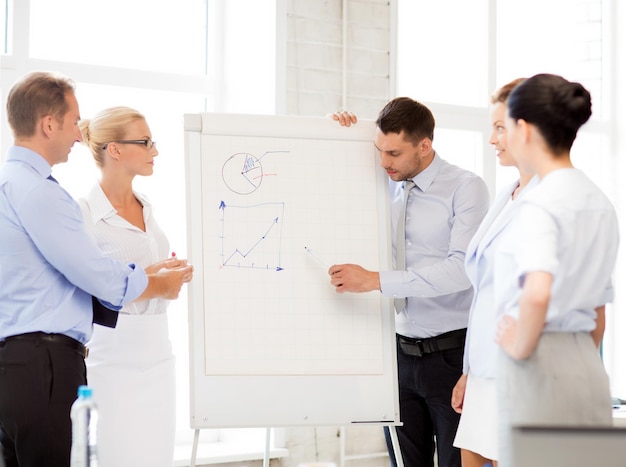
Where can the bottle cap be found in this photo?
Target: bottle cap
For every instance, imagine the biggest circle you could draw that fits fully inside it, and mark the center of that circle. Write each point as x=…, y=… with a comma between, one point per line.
x=84, y=391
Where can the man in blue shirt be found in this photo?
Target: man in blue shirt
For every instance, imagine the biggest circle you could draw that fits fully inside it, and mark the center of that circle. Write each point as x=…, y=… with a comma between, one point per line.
x=432, y=293
x=50, y=270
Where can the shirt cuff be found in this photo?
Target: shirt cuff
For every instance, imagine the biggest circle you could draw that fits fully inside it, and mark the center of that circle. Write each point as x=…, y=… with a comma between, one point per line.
x=136, y=284
x=392, y=284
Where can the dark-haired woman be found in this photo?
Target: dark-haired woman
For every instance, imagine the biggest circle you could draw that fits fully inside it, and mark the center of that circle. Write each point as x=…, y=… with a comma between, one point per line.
x=553, y=271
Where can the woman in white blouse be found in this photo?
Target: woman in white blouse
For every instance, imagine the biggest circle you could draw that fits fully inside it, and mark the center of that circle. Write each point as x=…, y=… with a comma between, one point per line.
x=553, y=271
x=130, y=367
x=474, y=396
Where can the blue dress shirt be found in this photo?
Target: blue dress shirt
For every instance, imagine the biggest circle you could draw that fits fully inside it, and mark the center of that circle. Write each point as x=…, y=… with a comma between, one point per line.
x=49, y=265
x=443, y=212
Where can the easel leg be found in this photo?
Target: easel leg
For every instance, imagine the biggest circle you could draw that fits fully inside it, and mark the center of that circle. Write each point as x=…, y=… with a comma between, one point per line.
x=342, y=446
x=266, y=458
x=396, y=446
x=194, y=449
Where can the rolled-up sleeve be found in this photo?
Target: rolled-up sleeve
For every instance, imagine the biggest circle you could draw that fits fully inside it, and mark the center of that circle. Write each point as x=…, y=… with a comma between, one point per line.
x=77, y=257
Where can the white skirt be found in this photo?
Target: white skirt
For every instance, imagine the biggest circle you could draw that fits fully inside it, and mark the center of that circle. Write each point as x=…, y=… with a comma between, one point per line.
x=478, y=427
x=131, y=370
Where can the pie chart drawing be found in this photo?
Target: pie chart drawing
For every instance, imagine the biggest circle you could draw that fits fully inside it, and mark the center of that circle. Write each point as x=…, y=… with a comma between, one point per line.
x=242, y=173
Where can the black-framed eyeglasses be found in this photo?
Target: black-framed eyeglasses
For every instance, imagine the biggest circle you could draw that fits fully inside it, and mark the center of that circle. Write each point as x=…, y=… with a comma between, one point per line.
x=148, y=143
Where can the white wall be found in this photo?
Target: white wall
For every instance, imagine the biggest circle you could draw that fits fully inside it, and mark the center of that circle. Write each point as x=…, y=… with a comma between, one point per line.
x=337, y=61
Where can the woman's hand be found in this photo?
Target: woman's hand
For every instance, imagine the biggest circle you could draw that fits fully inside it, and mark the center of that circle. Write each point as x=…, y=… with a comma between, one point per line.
x=169, y=263
x=506, y=333
x=458, y=394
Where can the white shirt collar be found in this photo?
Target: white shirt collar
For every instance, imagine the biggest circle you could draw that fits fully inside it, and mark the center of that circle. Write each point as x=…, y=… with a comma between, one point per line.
x=101, y=208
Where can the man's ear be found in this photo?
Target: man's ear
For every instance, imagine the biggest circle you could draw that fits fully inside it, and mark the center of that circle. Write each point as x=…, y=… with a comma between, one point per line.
x=425, y=146
x=47, y=125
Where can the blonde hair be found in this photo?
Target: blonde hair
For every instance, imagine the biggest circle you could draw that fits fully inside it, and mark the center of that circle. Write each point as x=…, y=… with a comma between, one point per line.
x=106, y=126
x=502, y=94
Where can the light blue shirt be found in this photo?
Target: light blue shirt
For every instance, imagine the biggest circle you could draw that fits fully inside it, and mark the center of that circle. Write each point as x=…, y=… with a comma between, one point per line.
x=444, y=210
x=49, y=265
x=481, y=349
x=566, y=227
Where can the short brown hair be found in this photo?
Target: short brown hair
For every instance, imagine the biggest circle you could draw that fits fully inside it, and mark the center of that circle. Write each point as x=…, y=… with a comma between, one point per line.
x=404, y=114
x=33, y=97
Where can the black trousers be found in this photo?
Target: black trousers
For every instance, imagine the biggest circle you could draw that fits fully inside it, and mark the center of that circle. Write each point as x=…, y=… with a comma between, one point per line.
x=39, y=380
x=425, y=384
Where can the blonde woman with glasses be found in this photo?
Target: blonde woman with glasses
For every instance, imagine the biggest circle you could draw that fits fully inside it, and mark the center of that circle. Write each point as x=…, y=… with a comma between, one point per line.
x=131, y=367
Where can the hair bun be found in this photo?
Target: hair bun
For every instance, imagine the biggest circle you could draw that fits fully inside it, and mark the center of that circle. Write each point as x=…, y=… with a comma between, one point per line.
x=574, y=103
x=84, y=129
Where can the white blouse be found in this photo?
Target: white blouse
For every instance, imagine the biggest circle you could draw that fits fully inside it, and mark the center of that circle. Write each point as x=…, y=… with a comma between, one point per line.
x=567, y=227
x=121, y=240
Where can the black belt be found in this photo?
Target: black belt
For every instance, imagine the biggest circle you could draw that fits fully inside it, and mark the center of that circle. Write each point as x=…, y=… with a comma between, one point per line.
x=39, y=337
x=446, y=341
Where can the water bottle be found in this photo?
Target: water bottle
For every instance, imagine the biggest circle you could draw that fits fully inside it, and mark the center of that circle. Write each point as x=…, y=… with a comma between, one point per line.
x=84, y=415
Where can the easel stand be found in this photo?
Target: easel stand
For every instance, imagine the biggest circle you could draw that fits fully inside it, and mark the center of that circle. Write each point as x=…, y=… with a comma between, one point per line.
x=194, y=449
x=396, y=446
x=196, y=437
x=266, y=457
x=393, y=434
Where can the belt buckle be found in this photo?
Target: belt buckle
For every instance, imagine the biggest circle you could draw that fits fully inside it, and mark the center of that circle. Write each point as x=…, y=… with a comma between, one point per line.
x=419, y=345
x=413, y=347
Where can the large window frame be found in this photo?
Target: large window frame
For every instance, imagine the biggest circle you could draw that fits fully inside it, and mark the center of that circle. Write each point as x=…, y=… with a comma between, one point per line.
x=217, y=91
x=600, y=128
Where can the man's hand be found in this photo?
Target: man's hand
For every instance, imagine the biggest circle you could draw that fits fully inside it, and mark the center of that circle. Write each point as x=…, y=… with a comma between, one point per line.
x=344, y=118
x=458, y=394
x=353, y=278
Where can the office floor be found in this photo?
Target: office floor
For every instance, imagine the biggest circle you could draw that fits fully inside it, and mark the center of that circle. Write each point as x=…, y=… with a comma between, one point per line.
x=323, y=444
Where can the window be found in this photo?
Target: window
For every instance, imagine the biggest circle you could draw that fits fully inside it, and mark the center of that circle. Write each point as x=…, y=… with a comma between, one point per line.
x=443, y=52
x=166, y=36
x=452, y=54
x=165, y=59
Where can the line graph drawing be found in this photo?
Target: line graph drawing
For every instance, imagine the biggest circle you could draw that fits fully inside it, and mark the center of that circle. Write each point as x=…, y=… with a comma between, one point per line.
x=243, y=173
x=251, y=236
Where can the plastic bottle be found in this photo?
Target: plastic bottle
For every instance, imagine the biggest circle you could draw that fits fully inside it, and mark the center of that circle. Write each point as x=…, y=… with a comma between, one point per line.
x=84, y=415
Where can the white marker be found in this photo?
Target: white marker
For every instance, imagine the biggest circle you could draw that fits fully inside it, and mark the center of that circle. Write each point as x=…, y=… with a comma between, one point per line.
x=317, y=258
